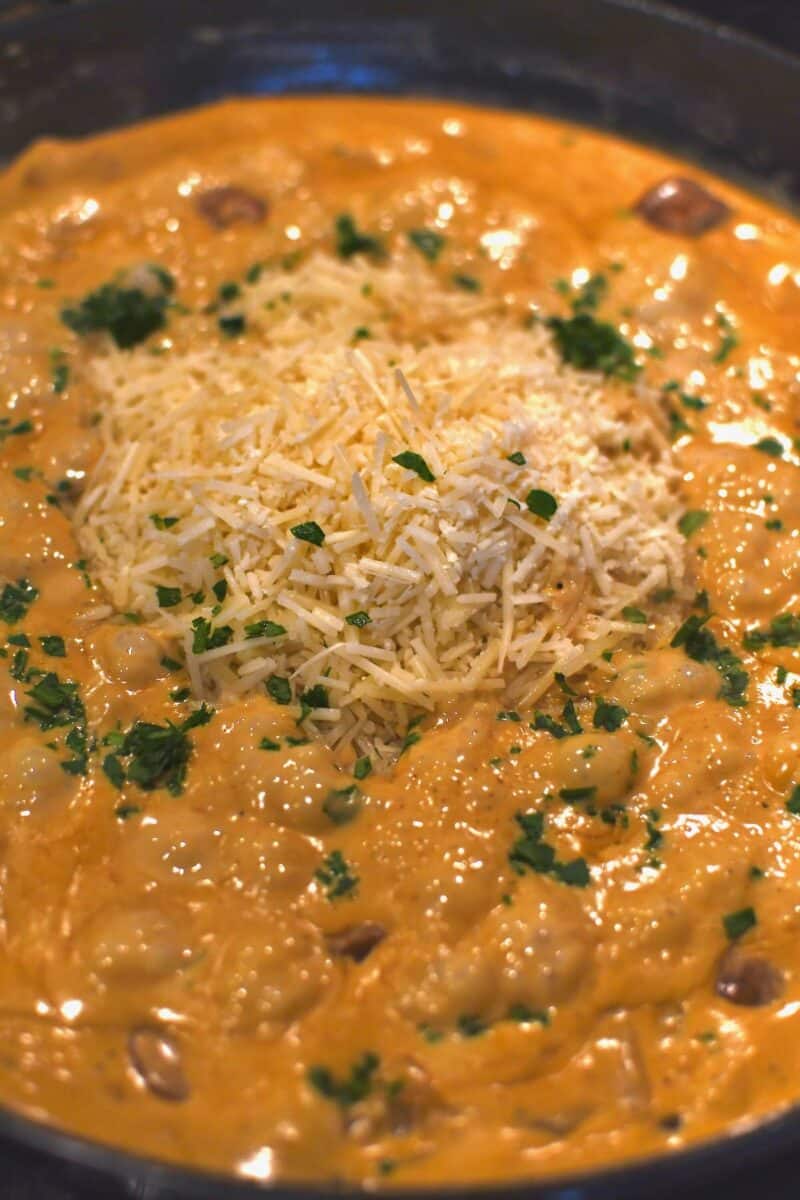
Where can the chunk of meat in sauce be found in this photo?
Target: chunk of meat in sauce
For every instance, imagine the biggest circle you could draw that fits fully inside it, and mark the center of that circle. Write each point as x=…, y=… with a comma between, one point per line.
x=156, y=1060
x=225, y=206
x=747, y=980
x=356, y=941
x=680, y=205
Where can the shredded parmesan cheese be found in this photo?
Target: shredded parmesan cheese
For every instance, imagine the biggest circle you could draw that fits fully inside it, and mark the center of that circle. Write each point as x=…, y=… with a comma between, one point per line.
x=298, y=422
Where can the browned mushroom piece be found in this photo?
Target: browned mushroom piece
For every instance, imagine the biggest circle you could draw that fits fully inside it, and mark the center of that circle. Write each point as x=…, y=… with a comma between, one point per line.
x=156, y=1059
x=224, y=206
x=747, y=979
x=680, y=205
x=408, y=1102
x=356, y=941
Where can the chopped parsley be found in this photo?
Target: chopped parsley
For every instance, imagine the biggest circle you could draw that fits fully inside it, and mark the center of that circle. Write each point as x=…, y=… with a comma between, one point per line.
x=162, y=523
x=179, y=695
x=469, y=1025
x=16, y=599
x=774, y=525
x=228, y=291
x=350, y=240
x=700, y=644
x=279, y=689
x=362, y=767
x=268, y=629
x=593, y=345
x=508, y=714
x=53, y=645
x=793, y=803
x=206, y=637
x=351, y=1088
x=541, y=504
x=232, y=325
x=308, y=531
x=561, y=680
x=342, y=805
x=56, y=704
x=168, y=597
x=220, y=589
x=268, y=744
x=576, y=794
x=570, y=718
x=609, y=716
x=783, y=630
x=157, y=755
x=467, y=283
x=770, y=446
x=59, y=371
x=654, y=835
x=414, y=462
x=8, y=430
x=531, y=852
x=429, y=243
x=336, y=877
x=358, y=619
x=547, y=724
x=218, y=560
x=737, y=924
x=634, y=615
x=729, y=339
x=128, y=314
x=692, y=520
x=517, y=458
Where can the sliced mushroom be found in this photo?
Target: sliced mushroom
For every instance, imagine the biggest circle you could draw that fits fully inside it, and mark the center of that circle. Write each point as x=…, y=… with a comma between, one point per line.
x=356, y=941
x=156, y=1059
x=679, y=205
x=747, y=980
x=224, y=206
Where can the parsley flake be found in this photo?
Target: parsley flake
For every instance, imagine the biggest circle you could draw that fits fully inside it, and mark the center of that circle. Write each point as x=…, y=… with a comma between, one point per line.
x=350, y=240
x=336, y=877
x=692, y=520
x=541, y=504
x=414, y=462
x=429, y=243
x=737, y=924
x=15, y=600
x=308, y=531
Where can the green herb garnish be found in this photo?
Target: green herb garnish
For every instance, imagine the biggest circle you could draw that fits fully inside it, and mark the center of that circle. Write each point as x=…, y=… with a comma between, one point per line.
x=350, y=240
x=414, y=462
x=692, y=520
x=128, y=314
x=737, y=924
x=352, y=1088
x=429, y=243
x=336, y=877
x=16, y=599
x=308, y=531
x=541, y=504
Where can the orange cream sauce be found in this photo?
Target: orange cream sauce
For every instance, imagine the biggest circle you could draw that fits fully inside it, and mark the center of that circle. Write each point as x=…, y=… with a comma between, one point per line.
x=514, y=1025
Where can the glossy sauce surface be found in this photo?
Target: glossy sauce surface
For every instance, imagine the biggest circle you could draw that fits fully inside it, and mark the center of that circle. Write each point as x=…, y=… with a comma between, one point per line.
x=175, y=977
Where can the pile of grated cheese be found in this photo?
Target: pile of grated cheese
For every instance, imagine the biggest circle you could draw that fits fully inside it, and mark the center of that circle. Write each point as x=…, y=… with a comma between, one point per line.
x=458, y=587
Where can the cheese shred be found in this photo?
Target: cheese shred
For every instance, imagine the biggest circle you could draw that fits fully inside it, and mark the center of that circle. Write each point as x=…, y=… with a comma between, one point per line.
x=275, y=457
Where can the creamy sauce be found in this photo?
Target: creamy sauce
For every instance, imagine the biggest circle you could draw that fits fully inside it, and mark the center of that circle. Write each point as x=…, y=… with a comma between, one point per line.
x=174, y=976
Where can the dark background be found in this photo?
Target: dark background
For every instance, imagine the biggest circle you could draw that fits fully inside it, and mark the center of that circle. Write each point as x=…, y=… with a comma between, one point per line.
x=777, y=21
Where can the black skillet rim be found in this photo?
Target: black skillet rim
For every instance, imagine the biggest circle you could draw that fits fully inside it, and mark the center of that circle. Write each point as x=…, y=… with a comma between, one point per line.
x=710, y=1162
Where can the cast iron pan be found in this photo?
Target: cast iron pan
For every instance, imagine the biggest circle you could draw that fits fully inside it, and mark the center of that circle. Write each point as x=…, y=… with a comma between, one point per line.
x=646, y=72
